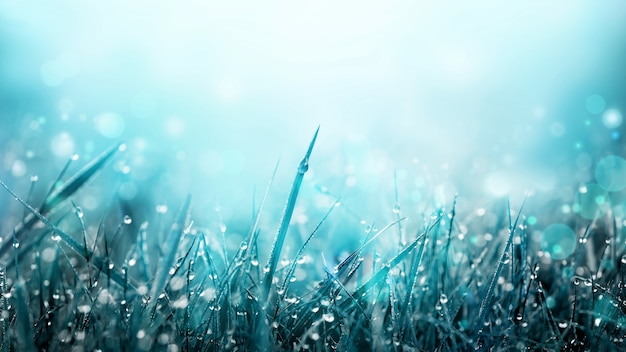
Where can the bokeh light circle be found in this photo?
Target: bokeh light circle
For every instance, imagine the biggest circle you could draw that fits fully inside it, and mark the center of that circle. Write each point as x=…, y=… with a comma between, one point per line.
x=559, y=240
x=62, y=145
x=612, y=118
x=595, y=104
x=611, y=173
x=592, y=201
x=110, y=125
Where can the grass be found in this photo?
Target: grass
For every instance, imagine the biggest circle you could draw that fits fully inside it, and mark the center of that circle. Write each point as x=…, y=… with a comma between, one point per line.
x=63, y=289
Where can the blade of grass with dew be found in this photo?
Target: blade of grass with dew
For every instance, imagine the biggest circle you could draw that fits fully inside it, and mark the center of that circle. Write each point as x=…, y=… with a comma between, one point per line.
x=4, y=301
x=292, y=268
x=69, y=240
x=447, y=248
x=286, y=219
x=413, y=273
x=343, y=267
x=242, y=260
x=24, y=324
x=142, y=252
x=382, y=273
x=482, y=313
x=62, y=193
x=254, y=233
x=166, y=262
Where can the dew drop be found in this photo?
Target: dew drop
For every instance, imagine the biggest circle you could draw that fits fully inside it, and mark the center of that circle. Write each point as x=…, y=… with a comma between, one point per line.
x=128, y=220
x=443, y=298
x=328, y=317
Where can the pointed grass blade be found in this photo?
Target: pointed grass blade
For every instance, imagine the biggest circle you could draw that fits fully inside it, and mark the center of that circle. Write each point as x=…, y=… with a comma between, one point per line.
x=62, y=193
x=272, y=262
x=97, y=262
x=173, y=241
x=78, y=180
x=482, y=313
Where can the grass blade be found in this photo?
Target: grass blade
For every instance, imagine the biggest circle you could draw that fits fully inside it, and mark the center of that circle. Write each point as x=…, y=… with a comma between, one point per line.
x=173, y=240
x=97, y=262
x=482, y=314
x=61, y=194
x=286, y=219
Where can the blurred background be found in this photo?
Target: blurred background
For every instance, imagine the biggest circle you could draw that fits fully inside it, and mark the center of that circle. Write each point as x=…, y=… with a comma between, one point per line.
x=484, y=100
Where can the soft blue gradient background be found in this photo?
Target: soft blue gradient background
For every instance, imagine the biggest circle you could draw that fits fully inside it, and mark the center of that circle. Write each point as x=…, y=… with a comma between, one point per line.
x=480, y=98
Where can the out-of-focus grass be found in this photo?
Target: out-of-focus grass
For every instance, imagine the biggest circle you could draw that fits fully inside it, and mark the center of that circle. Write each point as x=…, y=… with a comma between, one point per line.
x=435, y=291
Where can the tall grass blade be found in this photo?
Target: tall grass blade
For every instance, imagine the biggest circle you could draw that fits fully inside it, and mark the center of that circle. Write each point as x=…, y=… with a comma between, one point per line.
x=381, y=274
x=78, y=180
x=62, y=193
x=24, y=334
x=257, y=216
x=417, y=262
x=286, y=219
x=24, y=323
x=485, y=304
x=166, y=262
x=97, y=262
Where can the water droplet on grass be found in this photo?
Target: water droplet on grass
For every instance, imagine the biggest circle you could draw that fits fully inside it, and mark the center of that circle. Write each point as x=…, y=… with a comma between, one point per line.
x=443, y=298
x=328, y=317
x=128, y=220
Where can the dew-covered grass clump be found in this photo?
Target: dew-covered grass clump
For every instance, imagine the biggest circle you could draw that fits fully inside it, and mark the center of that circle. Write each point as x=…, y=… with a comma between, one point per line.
x=441, y=278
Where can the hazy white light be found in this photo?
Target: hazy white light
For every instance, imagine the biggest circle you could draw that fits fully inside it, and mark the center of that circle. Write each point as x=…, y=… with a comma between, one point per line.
x=110, y=125
x=175, y=127
x=19, y=168
x=62, y=145
x=612, y=118
x=228, y=89
x=498, y=184
x=55, y=72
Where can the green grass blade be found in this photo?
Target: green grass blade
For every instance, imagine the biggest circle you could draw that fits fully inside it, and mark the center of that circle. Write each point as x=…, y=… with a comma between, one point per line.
x=482, y=313
x=78, y=180
x=272, y=262
x=97, y=262
x=62, y=193
x=257, y=217
x=173, y=240
x=382, y=273
x=24, y=323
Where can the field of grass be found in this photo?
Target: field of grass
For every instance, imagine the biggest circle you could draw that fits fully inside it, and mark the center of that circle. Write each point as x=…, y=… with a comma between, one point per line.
x=448, y=281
